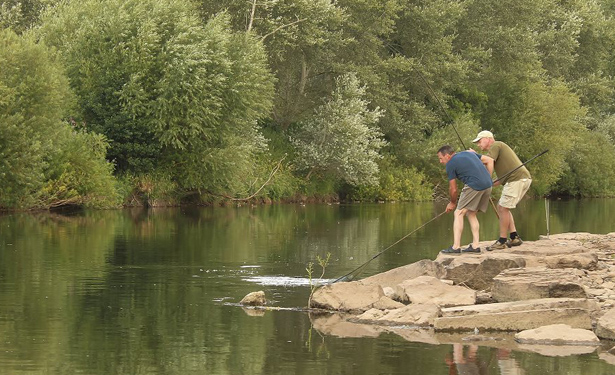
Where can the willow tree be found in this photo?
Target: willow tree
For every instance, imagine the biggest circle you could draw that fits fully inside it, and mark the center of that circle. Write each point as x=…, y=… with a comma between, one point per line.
x=341, y=140
x=175, y=97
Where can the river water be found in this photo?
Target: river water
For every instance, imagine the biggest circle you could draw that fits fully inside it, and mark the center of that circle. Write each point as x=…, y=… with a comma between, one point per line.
x=156, y=291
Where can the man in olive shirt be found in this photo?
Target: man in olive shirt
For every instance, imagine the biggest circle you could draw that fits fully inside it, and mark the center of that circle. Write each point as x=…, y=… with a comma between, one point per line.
x=503, y=159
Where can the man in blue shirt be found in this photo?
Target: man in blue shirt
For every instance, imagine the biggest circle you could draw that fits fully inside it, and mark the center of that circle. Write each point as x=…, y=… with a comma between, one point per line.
x=467, y=167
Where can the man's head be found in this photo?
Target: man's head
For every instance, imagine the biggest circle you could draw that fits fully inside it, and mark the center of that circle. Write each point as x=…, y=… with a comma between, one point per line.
x=445, y=153
x=484, y=139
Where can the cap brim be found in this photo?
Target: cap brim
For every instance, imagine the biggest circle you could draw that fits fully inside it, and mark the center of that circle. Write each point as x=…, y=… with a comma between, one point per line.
x=477, y=139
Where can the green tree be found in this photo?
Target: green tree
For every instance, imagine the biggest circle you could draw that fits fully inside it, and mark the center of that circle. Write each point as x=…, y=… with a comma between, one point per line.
x=341, y=139
x=20, y=15
x=169, y=93
x=43, y=161
x=34, y=96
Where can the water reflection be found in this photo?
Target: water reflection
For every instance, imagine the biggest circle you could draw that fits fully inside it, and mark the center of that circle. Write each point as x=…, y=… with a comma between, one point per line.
x=465, y=361
x=148, y=291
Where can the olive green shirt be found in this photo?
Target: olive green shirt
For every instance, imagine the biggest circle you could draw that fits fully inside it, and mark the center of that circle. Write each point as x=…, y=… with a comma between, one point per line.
x=505, y=160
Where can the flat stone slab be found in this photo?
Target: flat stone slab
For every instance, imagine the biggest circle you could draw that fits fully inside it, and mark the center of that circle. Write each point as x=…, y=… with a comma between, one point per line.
x=427, y=289
x=518, y=315
x=391, y=278
x=537, y=282
x=557, y=334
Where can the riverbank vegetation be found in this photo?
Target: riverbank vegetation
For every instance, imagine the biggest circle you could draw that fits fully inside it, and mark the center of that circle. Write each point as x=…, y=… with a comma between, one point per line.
x=160, y=102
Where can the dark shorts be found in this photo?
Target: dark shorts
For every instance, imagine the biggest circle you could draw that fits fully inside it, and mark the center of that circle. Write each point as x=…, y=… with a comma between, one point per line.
x=474, y=200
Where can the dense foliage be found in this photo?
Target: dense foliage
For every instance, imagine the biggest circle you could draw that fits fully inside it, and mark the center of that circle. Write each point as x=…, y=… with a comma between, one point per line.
x=200, y=100
x=44, y=161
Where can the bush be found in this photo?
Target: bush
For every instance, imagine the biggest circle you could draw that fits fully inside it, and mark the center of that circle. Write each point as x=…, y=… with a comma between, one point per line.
x=149, y=189
x=44, y=162
x=78, y=172
x=589, y=168
x=397, y=183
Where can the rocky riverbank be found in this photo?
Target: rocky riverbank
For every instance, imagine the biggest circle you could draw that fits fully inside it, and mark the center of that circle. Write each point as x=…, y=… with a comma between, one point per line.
x=555, y=291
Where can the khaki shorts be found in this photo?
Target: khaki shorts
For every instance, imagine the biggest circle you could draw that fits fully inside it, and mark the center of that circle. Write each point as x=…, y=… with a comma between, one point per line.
x=474, y=200
x=513, y=192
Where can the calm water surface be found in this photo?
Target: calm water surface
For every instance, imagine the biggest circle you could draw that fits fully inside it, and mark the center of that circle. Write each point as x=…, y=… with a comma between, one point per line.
x=155, y=291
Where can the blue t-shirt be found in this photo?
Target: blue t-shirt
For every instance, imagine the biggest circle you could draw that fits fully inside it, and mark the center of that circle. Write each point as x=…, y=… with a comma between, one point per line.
x=467, y=167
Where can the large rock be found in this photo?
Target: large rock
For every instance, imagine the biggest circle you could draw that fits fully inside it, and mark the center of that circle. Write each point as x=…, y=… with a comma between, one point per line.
x=412, y=315
x=428, y=289
x=352, y=297
x=537, y=282
x=425, y=267
x=518, y=315
x=478, y=271
x=557, y=334
x=605, y=328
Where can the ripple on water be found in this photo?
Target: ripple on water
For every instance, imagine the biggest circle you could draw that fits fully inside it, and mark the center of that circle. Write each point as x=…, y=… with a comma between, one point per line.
x=285, y=281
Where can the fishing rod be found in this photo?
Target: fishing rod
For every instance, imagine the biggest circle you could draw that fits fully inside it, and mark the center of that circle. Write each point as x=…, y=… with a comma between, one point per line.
x=433, y=94
x=354, y=273
x=450, y=119
x=522, y=164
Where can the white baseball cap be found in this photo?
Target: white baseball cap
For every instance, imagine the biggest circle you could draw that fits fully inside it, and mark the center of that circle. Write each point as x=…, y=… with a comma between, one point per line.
x=483, y=134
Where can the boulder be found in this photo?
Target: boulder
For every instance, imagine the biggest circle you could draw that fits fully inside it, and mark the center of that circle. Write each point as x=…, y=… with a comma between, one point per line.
x=605, y=328
x=352, y=297
x=537, y=282
x=412, y=315
x=254, y=299
x=477, y=272
x=425, y=267
x=557, y=334
x=517, y=315
x=428, y=289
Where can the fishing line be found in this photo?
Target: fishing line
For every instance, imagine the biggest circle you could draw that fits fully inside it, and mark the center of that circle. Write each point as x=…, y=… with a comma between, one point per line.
x=522, y=164
x=354, y=273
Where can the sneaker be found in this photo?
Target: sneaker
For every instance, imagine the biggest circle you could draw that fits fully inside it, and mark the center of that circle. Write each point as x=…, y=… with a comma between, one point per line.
x=497, y=245
x=450, y=250
x=516, y=242
x=471, y=249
